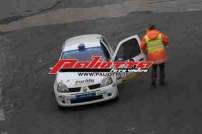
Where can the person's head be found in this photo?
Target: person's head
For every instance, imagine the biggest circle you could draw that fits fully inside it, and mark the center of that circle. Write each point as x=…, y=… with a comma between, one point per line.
x=152, y=27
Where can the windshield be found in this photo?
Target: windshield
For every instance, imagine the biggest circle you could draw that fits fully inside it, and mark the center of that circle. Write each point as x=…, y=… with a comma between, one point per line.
x=84, y=55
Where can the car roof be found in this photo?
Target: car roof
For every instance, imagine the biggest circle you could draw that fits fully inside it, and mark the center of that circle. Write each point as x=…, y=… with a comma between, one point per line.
x=89, y=40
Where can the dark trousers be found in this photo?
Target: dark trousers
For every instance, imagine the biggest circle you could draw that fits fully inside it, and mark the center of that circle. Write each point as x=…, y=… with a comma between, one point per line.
x=162, y=72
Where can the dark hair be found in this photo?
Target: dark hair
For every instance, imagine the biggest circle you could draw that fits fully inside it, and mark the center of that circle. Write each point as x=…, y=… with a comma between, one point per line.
x=152, y=27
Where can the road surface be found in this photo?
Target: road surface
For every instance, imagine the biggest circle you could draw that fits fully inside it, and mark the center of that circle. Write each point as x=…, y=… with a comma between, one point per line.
x=28, y=105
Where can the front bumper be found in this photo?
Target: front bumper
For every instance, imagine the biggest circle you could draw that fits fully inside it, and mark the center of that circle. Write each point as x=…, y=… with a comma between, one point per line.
x=99, y=95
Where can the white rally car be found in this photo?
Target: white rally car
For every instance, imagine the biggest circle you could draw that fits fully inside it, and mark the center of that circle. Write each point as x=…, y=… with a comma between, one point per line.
x=73, y=90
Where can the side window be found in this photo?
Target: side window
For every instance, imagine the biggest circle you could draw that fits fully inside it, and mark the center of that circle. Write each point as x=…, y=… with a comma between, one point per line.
x=128, y=50
x=106, y=52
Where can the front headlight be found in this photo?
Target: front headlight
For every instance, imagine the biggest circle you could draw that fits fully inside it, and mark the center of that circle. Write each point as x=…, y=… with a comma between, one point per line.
x=106, y=81
x=62, y=88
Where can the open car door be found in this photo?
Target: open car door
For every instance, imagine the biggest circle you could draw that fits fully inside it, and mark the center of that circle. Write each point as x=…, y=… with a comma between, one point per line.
x=128, y=50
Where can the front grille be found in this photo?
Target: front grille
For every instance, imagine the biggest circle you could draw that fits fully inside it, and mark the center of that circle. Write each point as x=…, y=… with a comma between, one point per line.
x=95, y=86
x=86, y=99
x=76, y=89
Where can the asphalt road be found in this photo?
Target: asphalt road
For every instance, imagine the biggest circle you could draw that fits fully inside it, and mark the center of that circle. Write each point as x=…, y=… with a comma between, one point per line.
x=29, y=105
x=14, y=10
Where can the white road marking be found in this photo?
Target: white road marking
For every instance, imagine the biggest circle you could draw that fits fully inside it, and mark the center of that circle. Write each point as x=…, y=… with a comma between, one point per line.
x=192, y=9
x=69, y=15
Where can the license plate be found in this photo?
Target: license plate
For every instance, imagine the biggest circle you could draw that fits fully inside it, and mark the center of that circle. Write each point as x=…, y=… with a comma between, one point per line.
x=81, y=96
x=99, y=93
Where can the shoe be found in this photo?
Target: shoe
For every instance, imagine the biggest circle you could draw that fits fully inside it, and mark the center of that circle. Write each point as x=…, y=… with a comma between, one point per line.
x=153, y=84
x=162, y=83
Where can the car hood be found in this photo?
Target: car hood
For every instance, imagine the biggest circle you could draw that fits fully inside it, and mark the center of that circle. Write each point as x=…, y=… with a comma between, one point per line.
x=72, y=79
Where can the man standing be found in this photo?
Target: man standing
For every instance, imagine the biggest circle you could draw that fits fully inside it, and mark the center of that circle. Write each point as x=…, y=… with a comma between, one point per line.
x=153, y=44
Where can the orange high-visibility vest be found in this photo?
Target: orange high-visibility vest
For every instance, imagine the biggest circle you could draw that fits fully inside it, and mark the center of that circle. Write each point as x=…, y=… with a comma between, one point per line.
x=155, y=49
